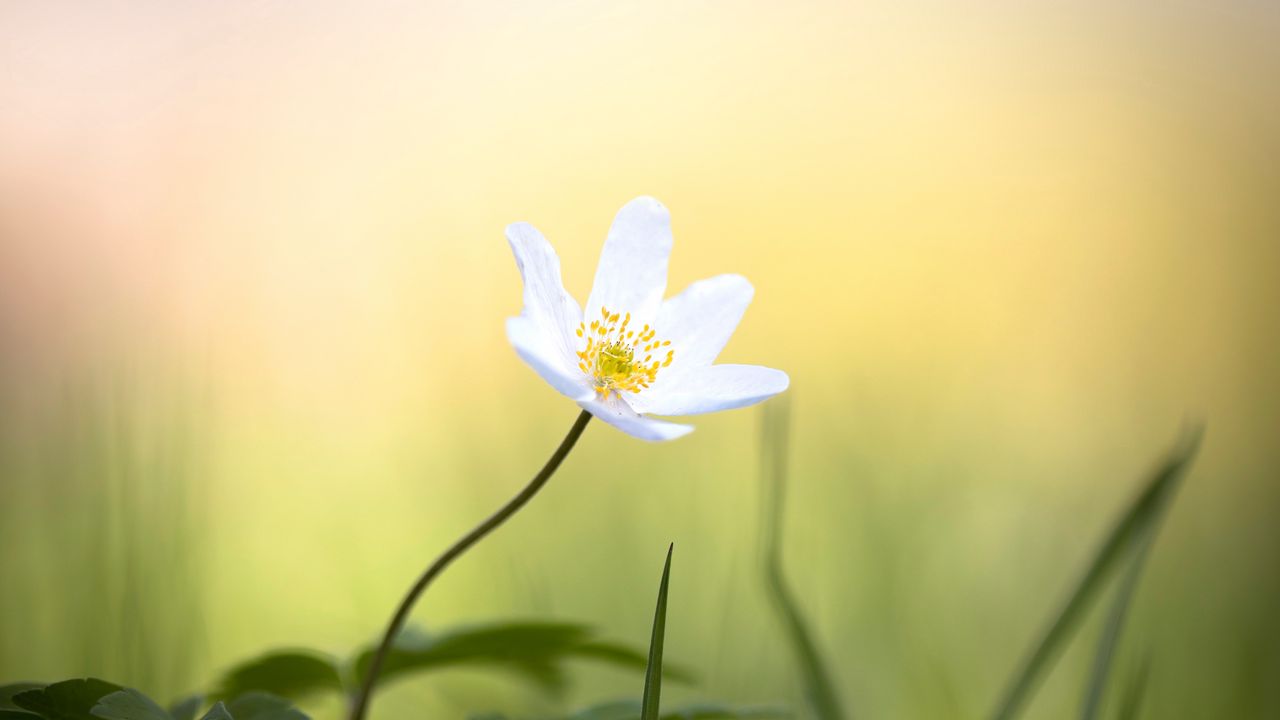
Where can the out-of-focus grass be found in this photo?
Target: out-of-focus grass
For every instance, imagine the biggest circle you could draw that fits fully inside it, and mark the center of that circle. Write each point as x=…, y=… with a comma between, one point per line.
x=128, y=604
x=103, y=525
x=1129, y=539
x=822, y=697
x=87, y=595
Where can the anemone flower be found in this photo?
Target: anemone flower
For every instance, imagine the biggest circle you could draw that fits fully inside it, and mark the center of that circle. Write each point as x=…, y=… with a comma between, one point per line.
x=632, y=354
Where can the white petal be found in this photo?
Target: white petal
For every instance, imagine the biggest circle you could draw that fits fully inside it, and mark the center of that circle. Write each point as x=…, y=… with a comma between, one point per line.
x=554, y=313
x=618, y=414
x=534, y=347
x=700, y=320
x=632, y=275
x=709, y=389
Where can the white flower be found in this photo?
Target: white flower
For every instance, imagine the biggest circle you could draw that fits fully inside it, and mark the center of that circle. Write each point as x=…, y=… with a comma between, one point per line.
x=633, y=354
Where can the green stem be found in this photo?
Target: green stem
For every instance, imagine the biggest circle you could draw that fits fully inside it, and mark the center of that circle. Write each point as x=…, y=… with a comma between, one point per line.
x=361, y=702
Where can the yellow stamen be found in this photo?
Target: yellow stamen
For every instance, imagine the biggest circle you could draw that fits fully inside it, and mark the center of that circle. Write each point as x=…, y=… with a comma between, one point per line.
x=610, y=356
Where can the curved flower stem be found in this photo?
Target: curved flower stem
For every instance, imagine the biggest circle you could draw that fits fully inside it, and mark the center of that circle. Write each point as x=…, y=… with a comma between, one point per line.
x=361, y=701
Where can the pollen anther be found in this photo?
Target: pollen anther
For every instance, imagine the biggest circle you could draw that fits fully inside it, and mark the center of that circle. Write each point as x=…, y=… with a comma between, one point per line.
x=610, y=355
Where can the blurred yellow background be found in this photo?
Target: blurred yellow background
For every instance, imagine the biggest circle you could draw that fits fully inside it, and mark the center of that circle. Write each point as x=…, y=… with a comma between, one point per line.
x=253, y=373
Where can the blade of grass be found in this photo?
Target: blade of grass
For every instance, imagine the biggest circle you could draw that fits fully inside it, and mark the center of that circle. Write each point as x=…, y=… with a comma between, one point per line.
x=1130, y=528
x=1109, y=640
x=653, y=673
x=819, y=690
x=1135, y=692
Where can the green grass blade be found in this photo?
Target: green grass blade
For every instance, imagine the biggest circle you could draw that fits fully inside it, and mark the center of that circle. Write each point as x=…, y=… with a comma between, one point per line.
x=653, y=673
x=1109, y=640
x=1127, y=531
x=819, y=690
x=1135, y=692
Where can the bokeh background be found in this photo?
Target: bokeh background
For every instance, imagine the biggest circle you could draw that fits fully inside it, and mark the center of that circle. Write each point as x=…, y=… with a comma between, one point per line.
x=253, y=373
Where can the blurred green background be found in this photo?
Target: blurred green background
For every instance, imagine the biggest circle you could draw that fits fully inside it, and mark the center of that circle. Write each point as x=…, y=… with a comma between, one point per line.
x=253, y=373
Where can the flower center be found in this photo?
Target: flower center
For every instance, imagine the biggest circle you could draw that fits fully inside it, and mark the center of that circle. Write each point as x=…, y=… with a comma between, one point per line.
x=619, y=359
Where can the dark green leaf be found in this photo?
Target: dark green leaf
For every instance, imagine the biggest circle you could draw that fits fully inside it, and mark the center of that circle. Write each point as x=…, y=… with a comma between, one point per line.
x=653, y=674
x=67, y=700
x=263, y=706
x=724, y=712
x=632, y=709
x=819, y=690
x=612, y=710
x=187, y=708
x=532, y=649
x=17, y=715
x=628, y=657
x=293, y=674
x=8, y=691
x=1127, y=531
x=129, y=705
x=217, y=712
